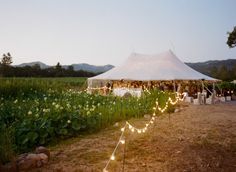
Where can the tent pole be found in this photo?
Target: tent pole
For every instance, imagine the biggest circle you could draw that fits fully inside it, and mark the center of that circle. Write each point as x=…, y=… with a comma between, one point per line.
x=214, y=93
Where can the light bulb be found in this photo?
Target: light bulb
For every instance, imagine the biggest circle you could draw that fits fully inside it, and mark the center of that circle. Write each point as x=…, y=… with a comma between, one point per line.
x=104, y=170
x=130, y=126
x=122, y=141
x=112, y=157
x=132, y=129
x=122, y=129
x=139, y=131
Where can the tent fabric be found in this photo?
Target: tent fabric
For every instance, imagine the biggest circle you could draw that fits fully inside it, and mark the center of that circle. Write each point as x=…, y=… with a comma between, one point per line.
x=142, y=67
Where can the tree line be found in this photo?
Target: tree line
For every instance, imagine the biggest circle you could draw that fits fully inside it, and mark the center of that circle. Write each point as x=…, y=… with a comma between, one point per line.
x=7, y=70
x=223, y=73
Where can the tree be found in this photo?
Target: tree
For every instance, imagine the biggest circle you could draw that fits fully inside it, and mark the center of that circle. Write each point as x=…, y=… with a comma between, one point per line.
x=70, y=68
x=232, y=38
x=58, y=66
x=6, y=59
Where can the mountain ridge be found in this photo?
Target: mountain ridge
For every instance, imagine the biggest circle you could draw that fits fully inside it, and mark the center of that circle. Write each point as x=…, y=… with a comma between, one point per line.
x=77, y=67
x=208, y=67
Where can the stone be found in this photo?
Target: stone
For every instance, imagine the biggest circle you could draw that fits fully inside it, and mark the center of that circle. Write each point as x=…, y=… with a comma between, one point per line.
x=177, y=110
x=147, y=116
x=116, y=124
x=28, y=162
x=43, y=158
x=39, y=164
x=31, y=160
x=33, y=156
x=44, y=150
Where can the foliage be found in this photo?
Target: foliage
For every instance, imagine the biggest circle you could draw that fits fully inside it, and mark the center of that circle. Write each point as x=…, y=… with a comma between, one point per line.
x=46, y=113
x=224, y=69
x=6, y=59
x=232, y=38
x=227, y=86
x=6, y=144
x=36, y=71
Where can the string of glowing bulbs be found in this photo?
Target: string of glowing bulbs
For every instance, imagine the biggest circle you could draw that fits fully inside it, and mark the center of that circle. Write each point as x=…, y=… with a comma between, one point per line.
x=142, y=130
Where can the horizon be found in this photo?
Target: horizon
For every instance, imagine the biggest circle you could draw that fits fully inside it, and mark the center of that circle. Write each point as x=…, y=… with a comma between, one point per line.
x=106, y=64
x=107, y=32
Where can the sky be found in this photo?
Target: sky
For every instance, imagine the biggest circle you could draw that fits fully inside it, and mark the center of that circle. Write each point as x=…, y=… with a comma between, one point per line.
x=103, y=32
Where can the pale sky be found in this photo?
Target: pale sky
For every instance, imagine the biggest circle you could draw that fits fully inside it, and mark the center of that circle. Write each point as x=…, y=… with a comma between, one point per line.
x=103, y=32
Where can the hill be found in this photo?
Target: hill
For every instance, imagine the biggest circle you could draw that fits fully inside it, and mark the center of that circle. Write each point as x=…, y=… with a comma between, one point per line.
x=221, y=69
x=42, y=65
x=77, y=67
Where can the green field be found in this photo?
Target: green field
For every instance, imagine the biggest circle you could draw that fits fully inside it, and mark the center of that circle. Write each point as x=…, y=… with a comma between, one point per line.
x=42, y=111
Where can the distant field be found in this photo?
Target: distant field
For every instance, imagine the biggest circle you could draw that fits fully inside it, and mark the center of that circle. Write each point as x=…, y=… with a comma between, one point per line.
x=39, y=111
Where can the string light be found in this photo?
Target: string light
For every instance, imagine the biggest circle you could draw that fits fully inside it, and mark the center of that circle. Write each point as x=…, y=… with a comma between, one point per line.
x=132, y=128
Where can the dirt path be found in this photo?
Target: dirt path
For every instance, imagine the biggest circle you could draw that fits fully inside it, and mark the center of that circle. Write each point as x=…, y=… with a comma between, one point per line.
x=198, y=138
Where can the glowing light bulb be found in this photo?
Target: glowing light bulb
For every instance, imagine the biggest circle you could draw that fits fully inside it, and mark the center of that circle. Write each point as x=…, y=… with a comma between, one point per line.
x=122, y=129
x=154, y=108
x=112, y=158
x=154, y=114
x=139, y=131
x=151, y=122
x=104, y=170
x=132, y=129
x=146, y=125
x=122, y=141
x=153, y=118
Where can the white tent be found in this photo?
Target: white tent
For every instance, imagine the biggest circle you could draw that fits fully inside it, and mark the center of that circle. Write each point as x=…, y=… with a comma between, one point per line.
x=141, y=67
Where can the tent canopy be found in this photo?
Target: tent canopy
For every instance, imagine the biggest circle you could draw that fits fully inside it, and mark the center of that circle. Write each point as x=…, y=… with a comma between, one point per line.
x=142, y=67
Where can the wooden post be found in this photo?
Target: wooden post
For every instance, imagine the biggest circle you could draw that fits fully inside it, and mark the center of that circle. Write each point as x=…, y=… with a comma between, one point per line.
x=174, y=86
x=123, y=166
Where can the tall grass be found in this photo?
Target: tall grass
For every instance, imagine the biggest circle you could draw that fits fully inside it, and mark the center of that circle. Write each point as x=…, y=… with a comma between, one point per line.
x=44, y=111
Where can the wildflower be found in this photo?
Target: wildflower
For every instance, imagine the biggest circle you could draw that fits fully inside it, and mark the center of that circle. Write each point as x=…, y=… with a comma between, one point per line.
x=68, y=121
x=57, y=106
x=53, y=103
x=61, y=107
x=29, y=113
x=15, y=101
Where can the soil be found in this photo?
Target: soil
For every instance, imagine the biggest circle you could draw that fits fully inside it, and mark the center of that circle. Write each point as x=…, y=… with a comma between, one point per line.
x=199, y=138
